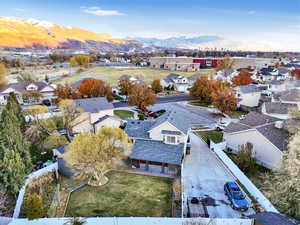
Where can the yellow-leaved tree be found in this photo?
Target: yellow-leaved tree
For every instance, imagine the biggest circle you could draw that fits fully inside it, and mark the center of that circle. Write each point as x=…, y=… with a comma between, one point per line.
x=96, y=154
x=3, y=73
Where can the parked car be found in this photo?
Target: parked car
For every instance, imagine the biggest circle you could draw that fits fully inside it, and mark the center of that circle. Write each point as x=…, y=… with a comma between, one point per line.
x=236, y=197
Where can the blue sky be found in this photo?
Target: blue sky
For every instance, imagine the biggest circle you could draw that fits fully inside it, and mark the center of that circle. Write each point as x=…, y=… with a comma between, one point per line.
x=259, y=20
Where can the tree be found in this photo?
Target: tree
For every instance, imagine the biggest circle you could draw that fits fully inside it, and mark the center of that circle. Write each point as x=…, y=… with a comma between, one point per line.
x=15, y=161
x=283, y=188
x=75, y=221
x=244, y=78
x=296, y=73
x=66, y=92
x=95, y=88
x=156, y=87
x=202, y=90
x=34, y=207
x=3, y=73
x=292, y=125
x=14, y=107
x=26, y=78
x=245, y=158
x=224, y=100
x=141, y=96
x=80, y=60
x=226, y=63
x=54, y=140
x=96, y=154
x=32, y=96
x=69, y=113
x=125, y=86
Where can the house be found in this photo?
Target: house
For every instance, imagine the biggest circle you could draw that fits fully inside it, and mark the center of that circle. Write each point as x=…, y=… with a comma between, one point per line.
x=97, y=112
x=192, y=79
x=272, y=218
x=248, y=95
x=277, y=109
x=176, y=82
x=63, y=168
x=129, y=77
x=271, y=73
x=23, y=92
x=226, y=75
x=159, y=145
x=265, y=133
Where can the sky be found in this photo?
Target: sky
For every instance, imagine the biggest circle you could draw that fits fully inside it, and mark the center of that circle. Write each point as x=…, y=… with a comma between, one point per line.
x=264, y=21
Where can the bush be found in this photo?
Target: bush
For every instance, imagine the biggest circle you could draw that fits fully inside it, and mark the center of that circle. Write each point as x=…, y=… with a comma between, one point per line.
x=34, y=206
x=141, y=116
x=245, y=158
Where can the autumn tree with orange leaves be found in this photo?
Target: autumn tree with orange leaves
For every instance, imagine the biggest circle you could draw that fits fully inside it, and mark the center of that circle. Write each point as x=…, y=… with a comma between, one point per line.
x=244, y=78
x=95, y=88
x=141, y=96
x=202, y=90
x=224, y=100
x=156, y=86
x=66, y=92
x=296, y=73
x=125, y=86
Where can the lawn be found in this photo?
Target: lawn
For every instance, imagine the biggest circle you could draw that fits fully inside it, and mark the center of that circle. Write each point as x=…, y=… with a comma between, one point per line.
x=214, y=135
x=124, y=195
x=201, y=104
x=124, y=114
x=110, y=75
x=237, y=114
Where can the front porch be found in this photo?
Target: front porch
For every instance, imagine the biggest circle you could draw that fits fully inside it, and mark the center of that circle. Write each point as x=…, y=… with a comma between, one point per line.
x=155, y=167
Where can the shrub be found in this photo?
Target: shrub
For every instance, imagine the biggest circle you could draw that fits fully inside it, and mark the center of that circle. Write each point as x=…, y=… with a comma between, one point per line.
x=245, y=158
x=34, y=206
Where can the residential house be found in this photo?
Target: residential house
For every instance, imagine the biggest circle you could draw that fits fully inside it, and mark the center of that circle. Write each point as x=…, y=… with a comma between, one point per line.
x=277, y=109
x=159, y=145
x=248, y=95
x=23, y=90
x=265, y=133
x=226, y=75
x=132, y=79
x=97, y=112
x=176, y=82
x=291, y=96
x=272, y=218
x=270, y=73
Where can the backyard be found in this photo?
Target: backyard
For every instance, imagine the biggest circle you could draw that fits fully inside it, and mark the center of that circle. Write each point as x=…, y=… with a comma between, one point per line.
x=124, y=195
x=214, y=135
x=124, y=114
x=111, y=75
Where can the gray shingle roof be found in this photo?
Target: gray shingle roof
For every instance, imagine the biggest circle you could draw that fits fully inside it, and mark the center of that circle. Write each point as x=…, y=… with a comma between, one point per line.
x=263, y=124
x=93, y=105
x=106, y=117
x=177, y=117
x=278, y=137
x=271, y=218
x=251, y=88
x=196, y=76
x=77, y=83
x=138, y=128
x=277, y=82
x=171, y=77
x=292, y=95
x=157, y=151
x=278, y=107
x=171, y=132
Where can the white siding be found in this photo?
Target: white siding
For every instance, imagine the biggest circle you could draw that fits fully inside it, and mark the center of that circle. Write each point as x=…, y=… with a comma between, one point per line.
x=155, y=133
x=265, y=152
x=250, y=99
x=109, y=122
x=96, y=116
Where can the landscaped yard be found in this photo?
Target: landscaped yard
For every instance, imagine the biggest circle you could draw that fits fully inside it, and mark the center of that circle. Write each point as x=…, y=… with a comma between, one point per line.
x=201, y=104
x=214, y=135
x=123, y=196
x=110, y=75
x=123, y=114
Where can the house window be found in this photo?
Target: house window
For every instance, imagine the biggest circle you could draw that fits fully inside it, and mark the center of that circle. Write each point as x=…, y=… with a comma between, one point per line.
x=171, y=139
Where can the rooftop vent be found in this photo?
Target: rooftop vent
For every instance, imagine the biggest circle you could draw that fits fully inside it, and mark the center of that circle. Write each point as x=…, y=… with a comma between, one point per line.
x=279, y=124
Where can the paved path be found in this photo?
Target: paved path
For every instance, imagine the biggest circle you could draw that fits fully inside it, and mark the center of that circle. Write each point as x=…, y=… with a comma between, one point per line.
x=203, y=175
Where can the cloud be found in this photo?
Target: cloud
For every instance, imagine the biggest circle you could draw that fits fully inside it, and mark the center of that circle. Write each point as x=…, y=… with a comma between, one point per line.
x=19, y=9
x=101, y=12
x=251, y=12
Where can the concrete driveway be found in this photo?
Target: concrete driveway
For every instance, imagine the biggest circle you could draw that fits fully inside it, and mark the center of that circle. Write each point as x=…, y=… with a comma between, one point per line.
x=203, y=175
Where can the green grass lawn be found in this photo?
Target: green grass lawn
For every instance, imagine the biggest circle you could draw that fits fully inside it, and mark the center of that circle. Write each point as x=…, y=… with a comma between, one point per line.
x=123, y=114
x=237, y=114
x=110, y=75
x=124, y=195
x=214, y=135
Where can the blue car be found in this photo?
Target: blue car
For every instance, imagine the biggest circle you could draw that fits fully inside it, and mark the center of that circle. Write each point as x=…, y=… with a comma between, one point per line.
x=236, y=196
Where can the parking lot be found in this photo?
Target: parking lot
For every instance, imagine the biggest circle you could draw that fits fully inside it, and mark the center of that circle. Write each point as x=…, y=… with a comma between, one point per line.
x=204, y=176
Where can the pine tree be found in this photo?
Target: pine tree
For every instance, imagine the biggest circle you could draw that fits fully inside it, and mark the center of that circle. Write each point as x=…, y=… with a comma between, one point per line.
x=15, y=161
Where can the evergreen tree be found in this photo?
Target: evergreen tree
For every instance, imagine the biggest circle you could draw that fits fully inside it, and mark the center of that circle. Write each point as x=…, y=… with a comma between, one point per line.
x=15, y=161
x=34, y=206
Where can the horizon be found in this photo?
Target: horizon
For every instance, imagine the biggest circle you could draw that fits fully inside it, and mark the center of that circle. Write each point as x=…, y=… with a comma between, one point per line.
x=255, y=23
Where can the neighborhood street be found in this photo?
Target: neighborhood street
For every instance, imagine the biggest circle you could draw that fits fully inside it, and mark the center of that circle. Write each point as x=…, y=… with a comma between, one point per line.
x=204, y=176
